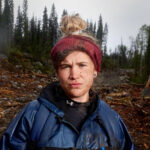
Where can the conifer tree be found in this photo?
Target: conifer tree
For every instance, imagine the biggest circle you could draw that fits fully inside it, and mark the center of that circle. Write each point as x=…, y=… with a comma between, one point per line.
x=122, y=49
x=7, y=23
x=99, y=34
x=38, y=33
x=147, y=56
x=0, y=12
x=53, y=26
x=136, y=62
x=45, y=28
x=105, y=35
x=64, y=12
x=33, y=32
x=11, y=21
x=1, y=37
x=141, y=41
x=91, y=28
x=59, y=30
x=25, y=26
x=94, y=29
x=18, y=35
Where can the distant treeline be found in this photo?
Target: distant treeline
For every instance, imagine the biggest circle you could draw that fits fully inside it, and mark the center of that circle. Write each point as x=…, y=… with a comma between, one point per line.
x=36, y=38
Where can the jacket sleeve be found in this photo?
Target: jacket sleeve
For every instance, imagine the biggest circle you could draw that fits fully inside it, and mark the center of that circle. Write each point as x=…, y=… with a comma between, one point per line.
x=128, y=144
x=17, y=135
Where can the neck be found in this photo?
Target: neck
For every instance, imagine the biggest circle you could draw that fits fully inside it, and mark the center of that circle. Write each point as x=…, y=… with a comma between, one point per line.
x=81, y=99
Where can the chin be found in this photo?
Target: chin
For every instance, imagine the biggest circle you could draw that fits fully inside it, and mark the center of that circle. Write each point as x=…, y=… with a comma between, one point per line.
x=76, y=93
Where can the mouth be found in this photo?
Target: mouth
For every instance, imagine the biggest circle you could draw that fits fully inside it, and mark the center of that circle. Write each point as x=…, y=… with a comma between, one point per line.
x=75, y=85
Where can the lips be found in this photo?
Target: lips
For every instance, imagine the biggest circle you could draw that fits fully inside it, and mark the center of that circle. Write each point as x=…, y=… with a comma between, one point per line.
x=75, y=85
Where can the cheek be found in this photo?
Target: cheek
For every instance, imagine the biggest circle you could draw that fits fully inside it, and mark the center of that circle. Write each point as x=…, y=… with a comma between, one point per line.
x=89, y=72
x=61, y=75
x=88, y=75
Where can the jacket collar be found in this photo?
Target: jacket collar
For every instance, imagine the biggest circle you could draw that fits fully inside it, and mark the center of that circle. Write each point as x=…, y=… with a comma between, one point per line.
x=51, y=106
x=51, y=96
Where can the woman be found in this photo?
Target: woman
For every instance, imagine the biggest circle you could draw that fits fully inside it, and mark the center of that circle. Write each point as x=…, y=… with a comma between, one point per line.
x=68, y=114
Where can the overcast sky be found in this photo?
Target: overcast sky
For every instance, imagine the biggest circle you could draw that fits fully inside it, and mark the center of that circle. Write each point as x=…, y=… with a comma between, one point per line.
x=124, y=17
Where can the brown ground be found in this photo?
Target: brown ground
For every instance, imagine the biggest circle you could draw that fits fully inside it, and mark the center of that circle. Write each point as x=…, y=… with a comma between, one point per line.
x=18, y=88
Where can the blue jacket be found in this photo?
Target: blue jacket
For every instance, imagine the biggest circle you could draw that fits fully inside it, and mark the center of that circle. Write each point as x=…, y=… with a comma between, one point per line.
x=41, y=124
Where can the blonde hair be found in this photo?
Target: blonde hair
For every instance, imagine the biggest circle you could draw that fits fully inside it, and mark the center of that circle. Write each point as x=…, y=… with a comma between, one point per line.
x=74, y=24
x=71, y=25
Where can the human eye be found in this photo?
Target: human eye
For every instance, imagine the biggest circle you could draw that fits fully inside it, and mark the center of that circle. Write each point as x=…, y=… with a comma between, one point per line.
x=82, y=65
x=64, y=66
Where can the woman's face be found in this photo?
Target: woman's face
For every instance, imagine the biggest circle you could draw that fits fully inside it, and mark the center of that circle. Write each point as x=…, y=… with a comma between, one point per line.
x=76, y=73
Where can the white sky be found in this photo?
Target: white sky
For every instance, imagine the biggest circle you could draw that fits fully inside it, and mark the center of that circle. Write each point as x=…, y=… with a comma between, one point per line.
x=124, y=17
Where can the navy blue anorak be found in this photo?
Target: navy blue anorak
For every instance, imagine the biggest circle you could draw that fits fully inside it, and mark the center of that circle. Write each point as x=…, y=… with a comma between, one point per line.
x=41, y=125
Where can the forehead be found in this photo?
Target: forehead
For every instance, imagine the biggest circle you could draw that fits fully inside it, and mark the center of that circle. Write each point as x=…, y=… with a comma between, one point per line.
x=78, y=56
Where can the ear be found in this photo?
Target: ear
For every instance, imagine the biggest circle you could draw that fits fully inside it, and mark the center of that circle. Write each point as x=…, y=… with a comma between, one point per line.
x=95, y=73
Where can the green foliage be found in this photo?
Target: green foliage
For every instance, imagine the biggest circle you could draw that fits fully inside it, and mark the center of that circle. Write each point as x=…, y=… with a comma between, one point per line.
x=6, y=24
x=0, y=8
x=30, y=41
x=18, y=29
x=25, y=26
x=64, y=13
x=16, y=57
x=53, y=26
x=99, y=34
x=28, y=63
x=147, y=57
x=140, y=60
x=136, y=62
x=138, y=79
x=122, y=49
x=108, y=64
x=45, y=28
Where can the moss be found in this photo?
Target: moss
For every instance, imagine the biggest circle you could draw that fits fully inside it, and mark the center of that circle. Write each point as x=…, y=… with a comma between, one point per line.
x=29, y=63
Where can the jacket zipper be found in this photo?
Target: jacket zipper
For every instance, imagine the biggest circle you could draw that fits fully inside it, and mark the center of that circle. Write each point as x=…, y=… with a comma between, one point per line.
x=68, y=123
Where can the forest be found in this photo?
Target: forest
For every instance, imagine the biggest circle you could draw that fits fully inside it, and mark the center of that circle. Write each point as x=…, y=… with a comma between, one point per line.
x=26, y=67
x=35, y=38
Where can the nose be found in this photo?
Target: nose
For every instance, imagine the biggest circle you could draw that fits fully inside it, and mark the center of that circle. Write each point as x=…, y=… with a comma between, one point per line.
x=74, y=73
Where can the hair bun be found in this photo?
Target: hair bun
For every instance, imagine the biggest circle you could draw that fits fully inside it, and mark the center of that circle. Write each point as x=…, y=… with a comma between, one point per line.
x=72, y=24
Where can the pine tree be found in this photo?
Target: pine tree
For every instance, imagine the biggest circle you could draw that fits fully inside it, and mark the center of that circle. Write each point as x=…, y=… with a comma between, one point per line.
x=1, y=37
x=122, y=49
x=136, y=62
x=91, y=28
x=64, y=13
x=53, y=26
x=105, y=35
x=141, y=41
x=147, y=56
x=94, y=29
x=11, y=21
x=0, y=12
x=18, y=35
x=45, y=28
x=99, y=34
x=38, y=33
x=7, y=23
x=32, y=31
x=59, y=30
x=25, y=26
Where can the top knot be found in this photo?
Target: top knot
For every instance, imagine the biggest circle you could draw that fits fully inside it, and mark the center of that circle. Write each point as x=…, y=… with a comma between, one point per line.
x=72, y=24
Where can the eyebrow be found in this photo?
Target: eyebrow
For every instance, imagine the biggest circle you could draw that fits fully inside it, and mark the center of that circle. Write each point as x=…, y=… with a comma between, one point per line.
x=66, y=62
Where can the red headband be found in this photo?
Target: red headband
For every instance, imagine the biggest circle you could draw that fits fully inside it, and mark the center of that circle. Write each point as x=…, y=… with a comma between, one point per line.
x=78, y=42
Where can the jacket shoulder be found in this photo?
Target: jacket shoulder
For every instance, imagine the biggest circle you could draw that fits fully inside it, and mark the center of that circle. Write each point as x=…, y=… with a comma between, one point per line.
x=105, y=109
x=17, y=133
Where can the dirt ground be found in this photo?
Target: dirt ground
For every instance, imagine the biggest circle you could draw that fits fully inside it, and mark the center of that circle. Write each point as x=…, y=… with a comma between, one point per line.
x=18, y=88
